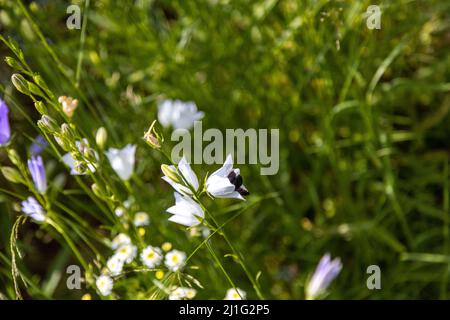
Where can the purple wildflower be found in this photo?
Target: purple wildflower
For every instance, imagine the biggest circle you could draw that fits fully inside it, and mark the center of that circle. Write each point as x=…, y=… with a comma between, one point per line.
x=5, y=131
x=39, y=145
x=325, y=273
x=37, y=170
x=33, y=209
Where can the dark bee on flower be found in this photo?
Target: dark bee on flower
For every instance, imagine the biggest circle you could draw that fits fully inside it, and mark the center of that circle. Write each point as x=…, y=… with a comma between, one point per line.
x=237, y=180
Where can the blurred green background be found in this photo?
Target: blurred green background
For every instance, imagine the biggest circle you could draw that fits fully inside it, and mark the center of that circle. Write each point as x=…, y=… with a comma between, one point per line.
x=363, y=117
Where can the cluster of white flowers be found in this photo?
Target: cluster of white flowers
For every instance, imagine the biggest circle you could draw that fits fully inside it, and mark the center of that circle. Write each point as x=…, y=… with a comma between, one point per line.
x=125, y=253
x=81, y=158
x=226, y=182
x=181, y=293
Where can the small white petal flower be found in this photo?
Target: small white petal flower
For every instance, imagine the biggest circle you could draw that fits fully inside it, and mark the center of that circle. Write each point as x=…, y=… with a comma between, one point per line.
x=120, y=240
x=179, y=293
x=119, y=211
x=104, y=285
x=127, y=253
x=175, y=260
x=122, y=160
x=198, y=231
x=188, y=175
x=226, y=182
x=114, y=265
x=179, y=114
x=186, y=211
x=127, y=203
x=141, y=219
x=235, y=294
x=151, y=256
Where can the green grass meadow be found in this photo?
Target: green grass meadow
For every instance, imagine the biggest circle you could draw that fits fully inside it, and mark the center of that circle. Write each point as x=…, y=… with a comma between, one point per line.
x=364, y=137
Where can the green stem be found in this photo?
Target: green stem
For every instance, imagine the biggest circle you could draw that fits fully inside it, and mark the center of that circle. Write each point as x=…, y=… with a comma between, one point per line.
x=221, y=267
x=82, y=41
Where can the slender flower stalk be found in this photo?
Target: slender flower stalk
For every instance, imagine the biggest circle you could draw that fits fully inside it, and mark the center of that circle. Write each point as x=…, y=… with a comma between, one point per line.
x=37, y=170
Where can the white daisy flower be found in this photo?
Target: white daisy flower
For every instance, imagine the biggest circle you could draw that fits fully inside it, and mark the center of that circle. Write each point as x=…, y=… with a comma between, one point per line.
x=120, y=240
x=141, y=219
x=122, y=160
x=180, y=293
x=151, y=256
x=104, y=285
x=175, y=260
x=186, y=211
x=114, y=265
x=127, y=253
x=235, y=294
x=188, y=175
x=226, y=182
x=179, y=114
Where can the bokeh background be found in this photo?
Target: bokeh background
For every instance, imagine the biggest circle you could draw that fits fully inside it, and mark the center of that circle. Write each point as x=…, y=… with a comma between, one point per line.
x=363, y=117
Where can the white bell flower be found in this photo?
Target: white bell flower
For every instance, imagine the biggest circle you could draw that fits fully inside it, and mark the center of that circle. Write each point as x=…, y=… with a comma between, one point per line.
x=226, y=182
x=122, y=160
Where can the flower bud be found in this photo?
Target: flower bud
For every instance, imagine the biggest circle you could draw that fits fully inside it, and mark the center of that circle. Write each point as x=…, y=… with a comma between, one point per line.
x=48, y=124
x=89, y=154
x=80, y=166
x=40, y=107
x=100, y=137
x=35, y=89
x=41, y=83
x=12, y=175
x=171, y=173
x=67, y=131
x=62, y=142
x=97, y=190
x=153, y=138
x=14, y=157
x=20, y=83
x=13, y=63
